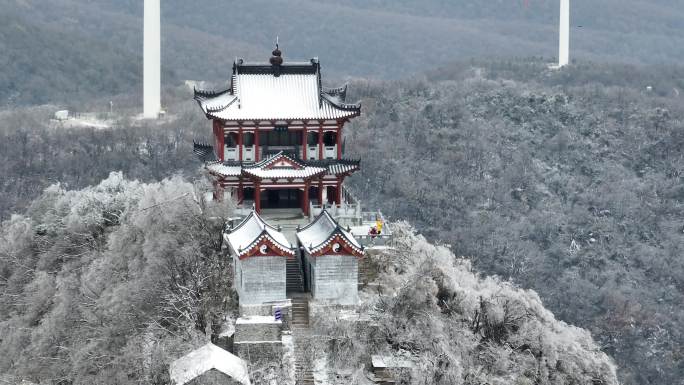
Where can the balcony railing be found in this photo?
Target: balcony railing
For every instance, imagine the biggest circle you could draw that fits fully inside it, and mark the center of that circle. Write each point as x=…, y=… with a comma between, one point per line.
x=349, y=214
x=249, y=152
x=330, y=152
x=230, y=153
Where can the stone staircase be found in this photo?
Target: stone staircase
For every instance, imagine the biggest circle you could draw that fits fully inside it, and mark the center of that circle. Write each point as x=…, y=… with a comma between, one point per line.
x=300, y=312
x=300, y=324
x=294, y=281
x=364, y=267
x=304, y=374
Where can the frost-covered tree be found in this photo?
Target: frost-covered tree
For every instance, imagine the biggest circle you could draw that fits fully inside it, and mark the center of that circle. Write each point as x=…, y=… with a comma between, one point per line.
x=103, y=285
x=458, y=327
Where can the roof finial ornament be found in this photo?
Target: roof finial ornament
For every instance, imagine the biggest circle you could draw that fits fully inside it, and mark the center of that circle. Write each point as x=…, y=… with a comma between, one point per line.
x=277, y=58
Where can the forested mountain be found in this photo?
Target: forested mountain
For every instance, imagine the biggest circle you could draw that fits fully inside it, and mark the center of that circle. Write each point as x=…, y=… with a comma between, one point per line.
x=108, y=284
x=567, y=182
x=95, y=45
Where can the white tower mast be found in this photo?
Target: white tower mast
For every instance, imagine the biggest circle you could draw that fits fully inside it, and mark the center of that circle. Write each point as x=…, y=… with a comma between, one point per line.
x=564, y=34
x=152, y=60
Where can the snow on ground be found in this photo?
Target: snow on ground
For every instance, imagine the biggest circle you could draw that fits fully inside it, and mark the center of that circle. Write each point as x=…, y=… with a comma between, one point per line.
x=320, y=372
x=289, y=358
x=208, y=357
x=257, y=319
x=81, y=123
x=227, y=328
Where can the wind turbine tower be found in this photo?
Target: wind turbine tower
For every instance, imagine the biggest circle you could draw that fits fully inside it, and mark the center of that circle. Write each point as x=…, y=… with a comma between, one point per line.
x=152, y=60
x=564, y=34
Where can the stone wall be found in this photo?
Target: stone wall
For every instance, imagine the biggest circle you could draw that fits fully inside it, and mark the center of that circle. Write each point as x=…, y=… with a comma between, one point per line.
x=258, y=338
x=257, y=328
x=268, y=309
x=262, y=352
x=335, y=279
x=260, y=279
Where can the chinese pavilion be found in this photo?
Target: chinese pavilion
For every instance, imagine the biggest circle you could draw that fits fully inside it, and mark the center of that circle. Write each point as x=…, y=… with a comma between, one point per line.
x=277, y=135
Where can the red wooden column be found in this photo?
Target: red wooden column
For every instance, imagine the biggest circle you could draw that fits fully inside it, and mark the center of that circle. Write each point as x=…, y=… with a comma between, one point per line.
x=338, y=192
x=320, y=141
x=256, y=143
x=339, y=140
x=257, y=197
x=305, y=198
x=304, y=142
x=320, y=192
x=218, y=139
x=240, y=144
x=241, y=192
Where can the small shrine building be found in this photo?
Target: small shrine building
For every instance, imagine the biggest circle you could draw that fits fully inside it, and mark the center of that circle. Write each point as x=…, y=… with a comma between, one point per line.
x=260, y=253
x=330, y=256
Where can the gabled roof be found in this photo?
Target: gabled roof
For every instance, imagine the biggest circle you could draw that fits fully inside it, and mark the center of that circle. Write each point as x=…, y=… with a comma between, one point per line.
x=251, y=232
x=282, y=166
x=204, y=359
x=290, y=91
x=319, y=234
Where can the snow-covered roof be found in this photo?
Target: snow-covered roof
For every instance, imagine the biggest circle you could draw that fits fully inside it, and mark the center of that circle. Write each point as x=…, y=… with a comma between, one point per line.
x=290, y=91
x=322, y=231
x=281, y=166
x=204, y=359
x=247, y=235
x=204, y=151
x=342, y=166
x=225, y=169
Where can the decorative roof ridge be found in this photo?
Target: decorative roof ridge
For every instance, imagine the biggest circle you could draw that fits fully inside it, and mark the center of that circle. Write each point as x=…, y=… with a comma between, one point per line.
x=356, y=107
x=332, y=162
x=242, y=67
x=204, y=152
x=261, y=220
x=336, y=91
x=269, y=160
x=264, y=234
x=242, y=223
x=319, y=84
x=337, y=230
x=208, y=93
x=221, y=108
x=265, y=162
x=324, y=211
